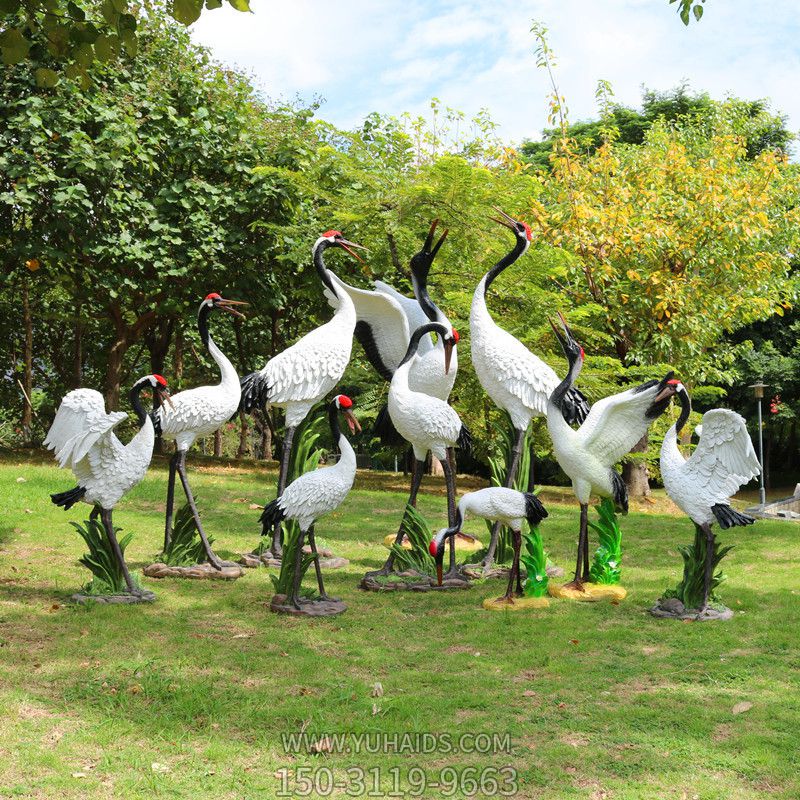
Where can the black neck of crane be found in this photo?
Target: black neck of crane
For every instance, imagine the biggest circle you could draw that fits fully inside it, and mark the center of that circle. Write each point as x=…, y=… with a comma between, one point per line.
x=686, y=408
x=419, y=282
x=431, y=327
x=319, y=264
x=506, y=261
x=333, y=420
x=202, y=323
x=136, y=401
x=557, y=397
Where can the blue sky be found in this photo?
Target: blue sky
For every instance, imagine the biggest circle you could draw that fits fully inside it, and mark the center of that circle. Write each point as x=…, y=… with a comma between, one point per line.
x=394, y=56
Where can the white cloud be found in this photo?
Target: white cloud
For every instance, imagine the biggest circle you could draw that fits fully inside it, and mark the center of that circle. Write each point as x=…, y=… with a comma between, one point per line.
x=394, y=57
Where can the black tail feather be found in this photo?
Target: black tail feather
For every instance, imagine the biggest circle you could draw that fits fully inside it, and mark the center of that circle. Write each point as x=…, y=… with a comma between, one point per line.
x=620, y=492
x=255, y=392
x=728, y=517
x=69, y=498
x=535, y=512
x=385, y=430
x=271, y=516
x=464, y=441
x=575, y=407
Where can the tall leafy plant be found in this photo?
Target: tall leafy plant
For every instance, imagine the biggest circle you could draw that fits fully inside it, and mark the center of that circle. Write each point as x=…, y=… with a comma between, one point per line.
x=419, y=535
x=534, y=559
x=605, y=567
x=185, y=547
x=107, y=577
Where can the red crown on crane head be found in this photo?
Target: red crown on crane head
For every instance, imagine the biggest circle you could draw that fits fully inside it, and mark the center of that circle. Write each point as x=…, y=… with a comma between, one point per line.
x=328, y=234
x=160, y=378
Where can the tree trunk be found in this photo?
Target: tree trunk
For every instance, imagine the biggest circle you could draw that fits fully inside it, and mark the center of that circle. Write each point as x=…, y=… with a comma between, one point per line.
x=177, y=359
x=634, y=473
x=218, y=442
x=244, y=438
x=27, y=376
x=77, y=358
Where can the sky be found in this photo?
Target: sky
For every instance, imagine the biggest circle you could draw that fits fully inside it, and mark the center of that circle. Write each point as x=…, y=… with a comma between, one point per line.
x=391, y=57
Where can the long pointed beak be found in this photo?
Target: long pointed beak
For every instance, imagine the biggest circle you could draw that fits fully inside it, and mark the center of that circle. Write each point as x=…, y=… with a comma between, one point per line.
x=448, y=354
x=163, y=395
x=227, y=305
x=669, y=389
x=439, y=243
x=352, y=422
x=429, y=237
x=505, y=220
x=346, y=245
x=559, y=336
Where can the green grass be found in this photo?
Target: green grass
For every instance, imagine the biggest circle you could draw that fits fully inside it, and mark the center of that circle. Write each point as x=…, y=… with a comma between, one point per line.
x=599, y=701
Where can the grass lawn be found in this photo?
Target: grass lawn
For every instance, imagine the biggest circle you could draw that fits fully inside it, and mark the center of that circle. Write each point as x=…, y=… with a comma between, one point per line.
x=189, y=697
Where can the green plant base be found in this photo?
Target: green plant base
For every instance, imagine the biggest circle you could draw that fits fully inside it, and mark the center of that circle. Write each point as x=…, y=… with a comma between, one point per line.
x=590, y=593
x=515, y=604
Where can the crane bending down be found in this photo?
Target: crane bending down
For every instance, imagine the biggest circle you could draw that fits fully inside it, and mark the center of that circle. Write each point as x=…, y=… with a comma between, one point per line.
x=300, y=376
x=702, y=485
x=83, y=439
x=427, y=424
x=514, y=378
x=316, y=493
x=199, y=412
x=614, y=425
x=496, y=504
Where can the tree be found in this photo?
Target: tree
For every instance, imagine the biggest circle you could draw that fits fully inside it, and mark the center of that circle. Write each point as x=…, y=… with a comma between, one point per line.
x=74, y=33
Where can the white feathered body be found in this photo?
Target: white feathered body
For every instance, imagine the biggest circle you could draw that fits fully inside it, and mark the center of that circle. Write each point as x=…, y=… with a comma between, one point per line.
x=614, y=425
x=317, y=493
x=496, y=504
x=200, y=412
x=300, y=376
x=723, y=461
x=426, y=422
x=514, y=378
x=83, y=439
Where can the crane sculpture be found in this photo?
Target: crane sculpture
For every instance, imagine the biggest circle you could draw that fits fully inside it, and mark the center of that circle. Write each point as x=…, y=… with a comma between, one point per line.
x=514, y=378
x=496, y=504
x=308, y=498
x=83, y=439
x=588, y=455
x=701, y=486
x=299, y=377
x=196, y=413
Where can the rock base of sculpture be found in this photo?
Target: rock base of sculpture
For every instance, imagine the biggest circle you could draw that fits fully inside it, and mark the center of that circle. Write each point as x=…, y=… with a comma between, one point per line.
x=672, y=608
x=515, y=604
x=464, y=544
x=590, y=593
x=477, y=572
x=229, y=571
x=123, y=598
x=327, y=560
x=409, y=581
x=309, y=607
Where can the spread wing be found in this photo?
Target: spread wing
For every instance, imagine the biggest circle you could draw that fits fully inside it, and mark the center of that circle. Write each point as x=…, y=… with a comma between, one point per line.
x=724, y=458
x=382, y=327
x=411, y=308
x=616, y=423
x=81, y=421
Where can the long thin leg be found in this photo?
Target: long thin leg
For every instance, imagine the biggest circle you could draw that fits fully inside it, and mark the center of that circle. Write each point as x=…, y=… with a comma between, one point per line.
x=516, y=455
x=181, y=467
x=514, y=572
x=585, y=528
x=95, y=511
x=416, y=479
x=314, y=552
x=170, y=501
x=577, y=582
x=517, y=550
x=709, y=565
x=450, y=482
x=283, y=475
x=294, y=596
x=108, y=524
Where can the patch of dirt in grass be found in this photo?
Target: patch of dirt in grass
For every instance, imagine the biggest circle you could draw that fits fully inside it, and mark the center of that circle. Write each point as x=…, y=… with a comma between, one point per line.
x=722, y=732
x=27, y=711
x=574, y=739
x=656, y=650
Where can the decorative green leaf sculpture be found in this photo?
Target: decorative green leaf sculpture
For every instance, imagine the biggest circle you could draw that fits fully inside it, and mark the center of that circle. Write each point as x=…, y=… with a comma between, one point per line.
x=283, y=580
x=419, y=535
x=534, y=559
x=107, y=577
x=605, y=567
x=690, y=590
x=185, y=547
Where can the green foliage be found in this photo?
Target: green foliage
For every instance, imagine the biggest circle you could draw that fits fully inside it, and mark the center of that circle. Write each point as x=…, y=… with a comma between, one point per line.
x=605, y=567
x=107, y=577
x=70, y=36
x=690, y=590
x=688, y=9
x=185, y=546
x=283, y=581
x=534, y=559
x=419, y=534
